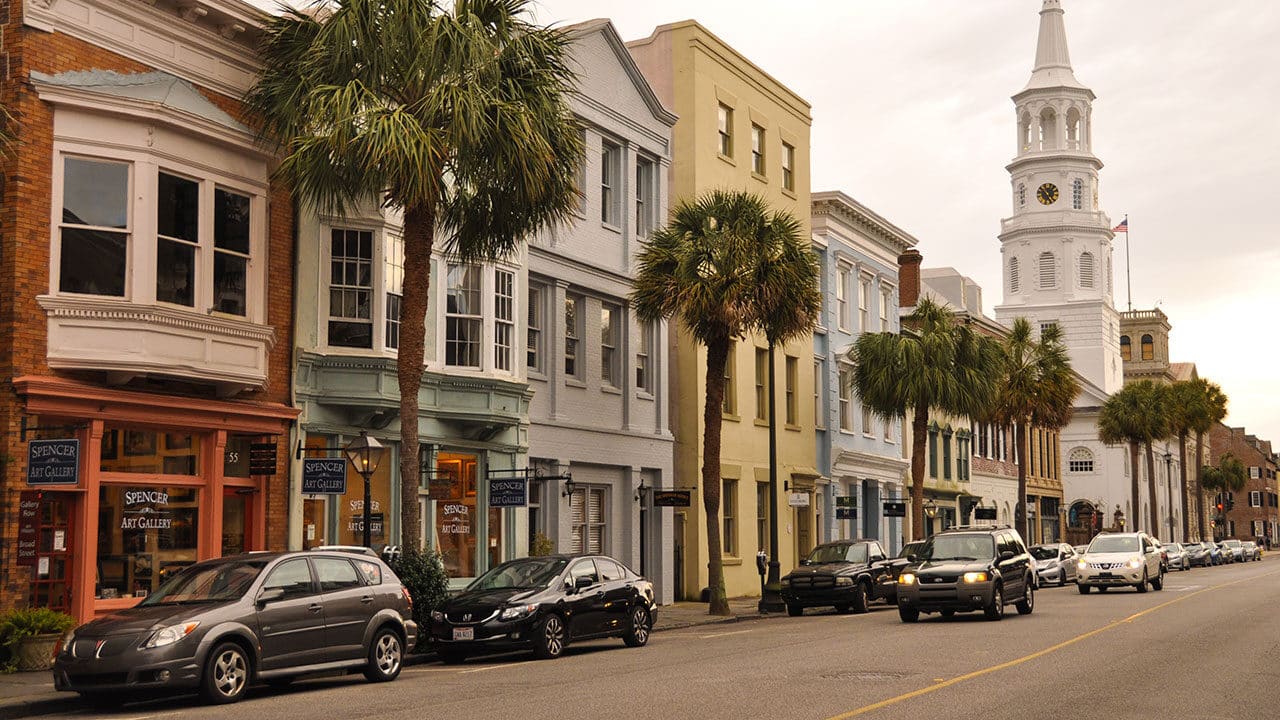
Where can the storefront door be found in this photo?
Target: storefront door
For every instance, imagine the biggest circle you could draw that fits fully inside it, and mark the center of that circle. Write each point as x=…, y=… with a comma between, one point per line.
x=237, y=522
x=53, y=528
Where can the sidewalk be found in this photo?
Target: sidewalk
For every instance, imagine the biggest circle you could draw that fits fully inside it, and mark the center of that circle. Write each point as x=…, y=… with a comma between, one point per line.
x=688, y=614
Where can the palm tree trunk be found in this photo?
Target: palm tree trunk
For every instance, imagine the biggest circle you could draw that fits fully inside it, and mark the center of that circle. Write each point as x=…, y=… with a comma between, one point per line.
x=419, y=236
x=712, y=418
x=1200, y=483
x=919, y=436
x=1151, y=491
x=1182, y=462
x=1133, y=468
x=1020, y=510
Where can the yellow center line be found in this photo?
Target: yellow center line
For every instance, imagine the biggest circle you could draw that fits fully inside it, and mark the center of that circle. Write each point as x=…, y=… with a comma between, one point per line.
x=1039, y=653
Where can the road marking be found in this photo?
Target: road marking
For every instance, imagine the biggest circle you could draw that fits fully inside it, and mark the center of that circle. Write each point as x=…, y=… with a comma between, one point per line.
x=413, y=671
x=1039, y=653
x=494, y=667
x=716, y=635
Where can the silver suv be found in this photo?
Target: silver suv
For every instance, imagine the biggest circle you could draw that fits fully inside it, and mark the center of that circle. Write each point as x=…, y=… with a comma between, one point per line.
x=1120, y=559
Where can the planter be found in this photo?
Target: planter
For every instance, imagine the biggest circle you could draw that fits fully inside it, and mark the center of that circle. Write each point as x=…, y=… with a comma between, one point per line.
x=35, y=652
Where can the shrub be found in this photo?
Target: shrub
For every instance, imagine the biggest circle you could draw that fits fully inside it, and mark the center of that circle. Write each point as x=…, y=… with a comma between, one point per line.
x=16, y=625
x=428, y=583
x=541, y=545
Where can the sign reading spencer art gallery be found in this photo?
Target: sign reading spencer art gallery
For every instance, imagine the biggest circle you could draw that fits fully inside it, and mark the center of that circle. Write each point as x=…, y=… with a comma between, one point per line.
x=324, y=476
x=53, y=462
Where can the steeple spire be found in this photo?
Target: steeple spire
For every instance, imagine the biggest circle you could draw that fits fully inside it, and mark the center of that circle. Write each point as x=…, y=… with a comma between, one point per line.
x=1053, y=61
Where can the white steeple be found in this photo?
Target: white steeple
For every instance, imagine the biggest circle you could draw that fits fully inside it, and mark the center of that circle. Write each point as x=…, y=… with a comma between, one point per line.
x=1053, y=61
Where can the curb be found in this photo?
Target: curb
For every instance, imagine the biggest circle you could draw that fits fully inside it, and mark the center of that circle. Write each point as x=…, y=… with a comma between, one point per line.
x=49, y=706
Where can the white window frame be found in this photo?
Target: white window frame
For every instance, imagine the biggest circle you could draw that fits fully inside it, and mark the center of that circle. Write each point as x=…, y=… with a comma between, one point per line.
x=370, y=289
x=758, y=156
x=788, y=166
x=819, y=406
x=884, y=309
x=393, y=287
x=761, y=365
x=791, y=369
x=610, y=345
x=573, y=332
x=504, y=319
x=845, y=396
x=644, y=357
x=868, y=422
x=535, y=326
x=724, y=130
x=1255, y=498
x=610, y=183
x=729, y=516
x=583, y=529
x=864, y=302
x=844, y=318
x=488, y=333
x=474, y=319
x=646, y=194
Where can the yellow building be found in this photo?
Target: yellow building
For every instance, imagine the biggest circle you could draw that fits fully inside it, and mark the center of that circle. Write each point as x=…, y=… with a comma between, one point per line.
x=739, y=129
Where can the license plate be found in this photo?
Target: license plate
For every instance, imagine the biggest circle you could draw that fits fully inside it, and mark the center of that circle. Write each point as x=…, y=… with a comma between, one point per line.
x=464, y=633
x=1105, y=575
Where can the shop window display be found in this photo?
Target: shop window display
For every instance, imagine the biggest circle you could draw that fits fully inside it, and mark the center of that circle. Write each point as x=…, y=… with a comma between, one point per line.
x=457, y=525
x=139, y=450
x=145, y=535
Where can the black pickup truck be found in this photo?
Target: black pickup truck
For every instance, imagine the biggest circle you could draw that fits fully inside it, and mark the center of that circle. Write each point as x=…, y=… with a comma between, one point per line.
x=846, y=575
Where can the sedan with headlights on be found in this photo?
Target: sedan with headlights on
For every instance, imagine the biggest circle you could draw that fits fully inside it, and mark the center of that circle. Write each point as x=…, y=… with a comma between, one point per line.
x=1055, y=563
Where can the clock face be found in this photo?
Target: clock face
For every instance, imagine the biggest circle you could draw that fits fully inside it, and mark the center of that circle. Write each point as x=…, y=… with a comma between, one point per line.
x=1047, y=194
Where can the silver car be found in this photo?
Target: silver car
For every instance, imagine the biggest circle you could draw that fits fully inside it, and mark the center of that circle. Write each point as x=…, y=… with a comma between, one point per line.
x=1055, y=563
x=1251, y=550
x=1179, y=558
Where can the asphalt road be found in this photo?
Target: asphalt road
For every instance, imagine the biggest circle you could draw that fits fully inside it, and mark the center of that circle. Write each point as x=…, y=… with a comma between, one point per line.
x=1205, y=647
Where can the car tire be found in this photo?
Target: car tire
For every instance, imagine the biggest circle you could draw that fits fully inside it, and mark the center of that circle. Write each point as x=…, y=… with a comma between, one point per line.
x=1142, y=584
x=861, y=597
x=1028, y=602
x=638, y=634
x=226, y=674
x=386, y=656
x=994, y=610
x=549, y=638
x=795, y=610
x=451, y=656
x=1084, y=589
x=908, y=615
x=1158, y=583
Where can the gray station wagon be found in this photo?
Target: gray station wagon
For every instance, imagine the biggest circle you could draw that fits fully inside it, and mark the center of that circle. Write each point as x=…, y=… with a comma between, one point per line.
x=220, y=625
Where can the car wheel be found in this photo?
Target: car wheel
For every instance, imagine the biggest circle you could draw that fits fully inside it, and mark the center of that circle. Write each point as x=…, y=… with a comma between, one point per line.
x=1062, y=578
x=451, y=656
x=386, y=656
x=1028, y=601
x=638, y=634
x=908, y=615
x=860, y=599
x=226, y=674
x=549, y=638
x=994, y=610
x=1084, y=589
x=1142, y=584
x=795, y=610
x=1158, y=583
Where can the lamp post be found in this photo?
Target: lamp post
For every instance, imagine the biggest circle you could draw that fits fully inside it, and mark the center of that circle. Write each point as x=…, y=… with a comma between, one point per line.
x=930, y=511
x=771, y=595
x=364, y=453
x=1168, y=476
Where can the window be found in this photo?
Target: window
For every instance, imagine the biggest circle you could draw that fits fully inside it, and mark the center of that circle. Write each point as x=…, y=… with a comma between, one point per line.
x=962, y=458
x=645, y=203
x=946, y=455
x=1077, y=194
x=1086, y=270
x=230, y=251
x=610, y=168
x=793, y=380
x=336, y=574
x=762, y=516
x=1255, y=472
x=585, y=569
x=463, y=320
x=533, y=339
x=1046, y=325
x=1013, y=274
x=572, y=311
x=819, y=407
x=757, y=150
x=644, y=381
x=1148, y=348
x=351, y=288
x=788, y=166
x=504, y=318
x=843, y=318
x=1255, y=497
x=729, y=514
x=177, y=239
x=933, y=452
x=888, y=430
x=762, y=384
x=725, y=120
x=1080, y=461
x=609, y=317
x=845, y=394
x=1126, y=348
x=867, y=420
x=1022, y=195
x=730, y=401
x=884, y=311
x=864, y=297
x=1048, y=271
x=581, y=175
x=291, y=576
x=95, y=227
x=393, y=264
x=587, y=521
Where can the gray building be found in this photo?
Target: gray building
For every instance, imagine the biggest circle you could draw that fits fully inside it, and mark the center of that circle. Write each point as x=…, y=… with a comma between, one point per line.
x=597, y=373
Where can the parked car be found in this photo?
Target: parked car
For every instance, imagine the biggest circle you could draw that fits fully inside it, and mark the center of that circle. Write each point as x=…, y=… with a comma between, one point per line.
x=543, y=604
x=963, y=570
x=1164, y=554
x=1080, y=549
x=1055, y=563
x=1216, y=555
x=1117, y=559
x=220, y=625
x=1178, y=557
x=1198, y=554
x=846, y=575
x=1237, y=549
x=1228, y=554
x=1251, y=550
x=897, y=564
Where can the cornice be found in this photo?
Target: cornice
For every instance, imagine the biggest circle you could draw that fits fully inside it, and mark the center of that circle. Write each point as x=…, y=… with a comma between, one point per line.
x=858, y=216
x=1055, y=160
x=60, y=306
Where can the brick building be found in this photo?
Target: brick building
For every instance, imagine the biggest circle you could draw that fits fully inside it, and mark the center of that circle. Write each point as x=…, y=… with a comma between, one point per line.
x=138, y=329
x=1254, y=512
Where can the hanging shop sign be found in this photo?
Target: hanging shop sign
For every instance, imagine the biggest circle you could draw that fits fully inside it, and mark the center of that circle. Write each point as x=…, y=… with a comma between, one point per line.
x=846, y=501
x=262, y=458
x=895, y=509
x=800, y=499
x=671, y=498
x=846, y=513
x=508, y=492
x=53, y=462
x=324, y=476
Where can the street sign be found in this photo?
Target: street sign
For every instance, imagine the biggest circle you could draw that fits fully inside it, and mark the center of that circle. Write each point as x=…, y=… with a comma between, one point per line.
x=981, y=513
x=324, y=476
x=53, y=462
x=846, y=513
x=895, y=509
x=846, y=501
x=671, y=498
x=508, y=492
x=798, y=499
x=262, y=458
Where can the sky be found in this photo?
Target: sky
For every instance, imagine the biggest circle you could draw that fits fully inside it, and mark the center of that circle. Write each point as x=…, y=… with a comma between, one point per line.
x=912, y=117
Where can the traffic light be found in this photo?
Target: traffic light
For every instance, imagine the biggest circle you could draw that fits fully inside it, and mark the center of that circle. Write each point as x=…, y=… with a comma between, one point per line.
x=1219, y=507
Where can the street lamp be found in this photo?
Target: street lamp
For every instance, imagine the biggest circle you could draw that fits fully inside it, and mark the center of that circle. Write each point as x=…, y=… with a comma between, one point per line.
x=1168, y=476
x=930, y=508
x=364, y=453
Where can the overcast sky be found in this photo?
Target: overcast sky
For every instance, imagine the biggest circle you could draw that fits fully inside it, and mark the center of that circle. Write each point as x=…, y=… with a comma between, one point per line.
x=911, y=116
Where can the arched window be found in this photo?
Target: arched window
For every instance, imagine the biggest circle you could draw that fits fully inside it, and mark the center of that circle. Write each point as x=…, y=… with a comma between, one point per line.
x=1126, y=348
x=1086, y=270
x=1080, y=461
x=1073, y=129
x=1024, y=132
x=1048, y=129
x=1048, y=271
x=1083, y=516
x=1109, y=288
x=1022, y=195
x=1014, y=282
x=1077, y=194
x=1148, y=348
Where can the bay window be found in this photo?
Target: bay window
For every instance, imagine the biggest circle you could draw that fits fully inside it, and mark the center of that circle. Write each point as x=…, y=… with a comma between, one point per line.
x=393, y=281
x=177, y=239
x=504, y=318
x=231, y=230
x=95, y=227
x=351, y=288
x=464, y=320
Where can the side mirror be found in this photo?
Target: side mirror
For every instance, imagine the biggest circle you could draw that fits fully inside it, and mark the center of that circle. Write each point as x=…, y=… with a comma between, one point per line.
x=270, y=595
x=909, y=557
x=583, y=582
x=1006, y=555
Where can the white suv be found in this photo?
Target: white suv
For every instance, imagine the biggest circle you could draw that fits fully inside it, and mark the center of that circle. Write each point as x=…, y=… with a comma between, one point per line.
x=1120, y=559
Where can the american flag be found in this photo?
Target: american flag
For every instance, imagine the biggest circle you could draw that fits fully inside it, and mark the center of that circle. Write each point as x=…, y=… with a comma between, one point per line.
x=1122, y=227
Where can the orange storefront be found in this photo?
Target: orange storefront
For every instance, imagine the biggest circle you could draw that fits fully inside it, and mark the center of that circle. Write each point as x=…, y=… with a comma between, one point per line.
x=164, y=481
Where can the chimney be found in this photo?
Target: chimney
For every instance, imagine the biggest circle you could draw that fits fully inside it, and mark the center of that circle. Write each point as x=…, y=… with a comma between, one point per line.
x=909, y=278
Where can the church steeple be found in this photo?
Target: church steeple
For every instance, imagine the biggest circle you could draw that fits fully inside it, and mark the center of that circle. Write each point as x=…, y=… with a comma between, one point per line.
x=1053, y=60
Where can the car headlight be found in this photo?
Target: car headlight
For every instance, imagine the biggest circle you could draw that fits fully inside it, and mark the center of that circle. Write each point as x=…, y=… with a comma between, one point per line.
x=437, y=615
x=517, y=611
x=1135, y=562
x=170, y=635
x=975, y=577
x=844, y=581
x=907, y=579
x=1081, y=564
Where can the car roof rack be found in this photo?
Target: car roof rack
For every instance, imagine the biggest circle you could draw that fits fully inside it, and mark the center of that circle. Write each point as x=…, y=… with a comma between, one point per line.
x=979, y=527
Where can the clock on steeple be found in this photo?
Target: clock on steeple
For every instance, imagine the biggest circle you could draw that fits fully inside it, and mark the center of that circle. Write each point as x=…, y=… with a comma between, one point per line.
x=1047, y=194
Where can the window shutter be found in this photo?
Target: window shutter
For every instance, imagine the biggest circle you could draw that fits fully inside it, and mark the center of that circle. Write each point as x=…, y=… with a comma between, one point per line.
x=1013, y=274
x=1048, y=271
x=595, y=521
x=577, y=517
x=1086, y=270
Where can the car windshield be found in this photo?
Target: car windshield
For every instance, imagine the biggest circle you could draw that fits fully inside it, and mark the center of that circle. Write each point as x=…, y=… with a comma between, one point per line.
x=1233, y=543
x=523, y=573
x=856, y=553
x=1114, y=545
x=958, y=547
x=212, y=583
x=911, y=547
x=1173, y=547
x=1040, y=552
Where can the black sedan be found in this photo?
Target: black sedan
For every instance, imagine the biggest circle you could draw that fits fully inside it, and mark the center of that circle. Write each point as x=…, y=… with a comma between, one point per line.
x=846, y=575
x=542, y=604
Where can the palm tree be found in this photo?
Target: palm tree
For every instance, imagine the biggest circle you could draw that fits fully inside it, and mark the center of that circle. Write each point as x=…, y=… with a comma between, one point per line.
x=1129, y=416
x=725, y=266
x=1038, y=389
x=453, y=113
x=1157, y=403
x=936, y=365
x=1229, y=476
x=1194, y=406
x=1209, y=409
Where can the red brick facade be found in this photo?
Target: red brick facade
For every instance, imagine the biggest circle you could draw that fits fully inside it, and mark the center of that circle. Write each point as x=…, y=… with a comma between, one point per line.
x=1260, y=464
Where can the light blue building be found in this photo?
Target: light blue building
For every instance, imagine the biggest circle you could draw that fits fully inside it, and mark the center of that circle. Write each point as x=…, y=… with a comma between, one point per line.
x=861, y=456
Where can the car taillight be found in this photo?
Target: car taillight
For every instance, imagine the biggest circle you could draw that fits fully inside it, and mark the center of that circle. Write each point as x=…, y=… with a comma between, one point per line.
x=407, y=597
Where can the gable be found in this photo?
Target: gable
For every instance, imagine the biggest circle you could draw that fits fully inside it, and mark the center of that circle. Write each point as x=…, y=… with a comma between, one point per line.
x=610, y=83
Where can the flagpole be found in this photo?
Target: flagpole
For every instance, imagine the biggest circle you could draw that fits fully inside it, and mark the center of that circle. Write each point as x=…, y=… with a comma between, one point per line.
x=1128, y=272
